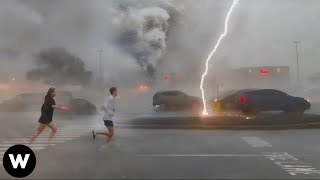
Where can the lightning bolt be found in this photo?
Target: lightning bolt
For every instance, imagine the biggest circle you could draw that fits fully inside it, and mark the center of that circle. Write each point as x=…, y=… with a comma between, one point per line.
x=226, y=22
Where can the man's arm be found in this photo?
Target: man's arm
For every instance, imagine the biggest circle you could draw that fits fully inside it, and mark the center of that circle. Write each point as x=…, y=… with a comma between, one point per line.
x=107, y=107
x=104, y=108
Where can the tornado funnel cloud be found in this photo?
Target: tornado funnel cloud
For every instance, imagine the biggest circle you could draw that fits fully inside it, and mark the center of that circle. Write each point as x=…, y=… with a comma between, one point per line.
x=143, y=32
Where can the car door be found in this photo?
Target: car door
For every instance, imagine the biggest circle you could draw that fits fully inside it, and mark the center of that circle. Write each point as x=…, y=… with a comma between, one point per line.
x=181, y=99
x=170, y=98
x=279, y=100
x=272, y=100
x=164, y=98
x=257, y=99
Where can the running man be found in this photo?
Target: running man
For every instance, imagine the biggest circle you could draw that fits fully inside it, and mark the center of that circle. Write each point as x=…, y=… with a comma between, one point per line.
x=46, y=115
x=109, y=110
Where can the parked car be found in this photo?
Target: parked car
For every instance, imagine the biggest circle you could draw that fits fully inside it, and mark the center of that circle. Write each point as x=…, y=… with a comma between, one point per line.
x=176, y=100
x=257, y=100
x=33, y=101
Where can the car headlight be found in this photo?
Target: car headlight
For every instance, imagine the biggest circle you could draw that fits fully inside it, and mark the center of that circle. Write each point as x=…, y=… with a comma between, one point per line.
x=157, y=106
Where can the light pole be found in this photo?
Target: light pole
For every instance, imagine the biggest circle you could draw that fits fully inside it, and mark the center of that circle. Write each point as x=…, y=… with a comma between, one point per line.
x=100, y=53
x=297, y=54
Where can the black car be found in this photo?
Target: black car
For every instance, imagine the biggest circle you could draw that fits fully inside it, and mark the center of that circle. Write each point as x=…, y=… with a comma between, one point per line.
x=175, y=100
x=82, y=107
x=256, y=100
x=33, y=101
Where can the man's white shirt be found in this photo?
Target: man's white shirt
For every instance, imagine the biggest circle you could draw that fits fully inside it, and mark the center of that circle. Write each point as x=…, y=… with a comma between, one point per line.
x=109, y=108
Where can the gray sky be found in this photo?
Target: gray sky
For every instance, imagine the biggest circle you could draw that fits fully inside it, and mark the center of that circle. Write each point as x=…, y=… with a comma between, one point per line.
x=261, y=33
x=270, y=27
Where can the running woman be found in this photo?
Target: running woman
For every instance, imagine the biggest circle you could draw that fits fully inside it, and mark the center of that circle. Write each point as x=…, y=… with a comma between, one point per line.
x=46, y=116
x=109, y=110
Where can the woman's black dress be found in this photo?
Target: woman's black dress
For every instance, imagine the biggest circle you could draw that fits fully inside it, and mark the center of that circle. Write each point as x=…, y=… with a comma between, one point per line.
x=47, y=111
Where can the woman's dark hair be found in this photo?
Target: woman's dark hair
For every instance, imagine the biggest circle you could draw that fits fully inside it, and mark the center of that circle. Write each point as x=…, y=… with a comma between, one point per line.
x=113, y=89
x=49, y=93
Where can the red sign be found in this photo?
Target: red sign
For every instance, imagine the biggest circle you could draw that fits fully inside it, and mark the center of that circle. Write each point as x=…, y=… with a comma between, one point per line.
x=264, y=71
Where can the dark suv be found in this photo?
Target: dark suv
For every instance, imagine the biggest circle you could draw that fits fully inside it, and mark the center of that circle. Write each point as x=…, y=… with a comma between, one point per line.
x=175, y=100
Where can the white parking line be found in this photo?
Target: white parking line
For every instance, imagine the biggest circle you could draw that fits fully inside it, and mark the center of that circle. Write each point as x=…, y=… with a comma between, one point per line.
x=60, y=136
x=75, y=130
x=284, y=160
x=59, y=132
x=70, y=130
x=44, y=138
x=200, y=155
x=291, y=164
x=63, y=135
x=34, y=148
x=32, y=145
x=256, y=142
x=35, y=142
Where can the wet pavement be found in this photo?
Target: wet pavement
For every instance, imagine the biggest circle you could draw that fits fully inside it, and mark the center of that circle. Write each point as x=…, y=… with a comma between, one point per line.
x=167, y=152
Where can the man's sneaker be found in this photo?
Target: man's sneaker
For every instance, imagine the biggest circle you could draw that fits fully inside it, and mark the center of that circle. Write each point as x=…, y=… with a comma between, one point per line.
x=93, y=134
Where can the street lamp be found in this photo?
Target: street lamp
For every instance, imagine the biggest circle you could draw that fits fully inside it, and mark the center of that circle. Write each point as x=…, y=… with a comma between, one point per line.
x=297, y=54
x=100, y=53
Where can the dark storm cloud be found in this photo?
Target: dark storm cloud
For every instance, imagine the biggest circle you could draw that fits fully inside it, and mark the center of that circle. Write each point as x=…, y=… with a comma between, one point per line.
x=57, y=66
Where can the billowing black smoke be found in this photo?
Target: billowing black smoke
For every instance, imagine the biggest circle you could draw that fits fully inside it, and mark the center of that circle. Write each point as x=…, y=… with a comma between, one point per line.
x=142, y=30
x=57, y=66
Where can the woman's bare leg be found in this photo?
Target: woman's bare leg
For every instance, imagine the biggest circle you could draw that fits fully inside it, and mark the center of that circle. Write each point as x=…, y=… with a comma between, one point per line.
x=53, y=128
x=38, y=131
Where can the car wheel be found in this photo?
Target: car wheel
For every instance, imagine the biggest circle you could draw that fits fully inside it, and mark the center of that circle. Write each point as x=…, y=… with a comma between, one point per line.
x=297, y=114
x=300, y=114
x=174, y=108
x=163, y=107
x=250, y=111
